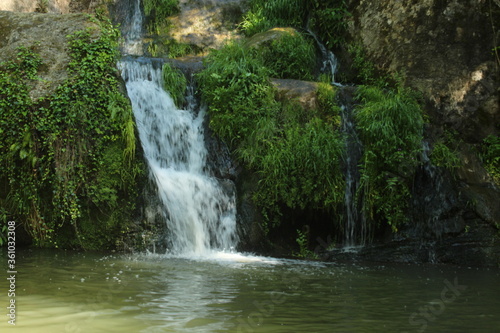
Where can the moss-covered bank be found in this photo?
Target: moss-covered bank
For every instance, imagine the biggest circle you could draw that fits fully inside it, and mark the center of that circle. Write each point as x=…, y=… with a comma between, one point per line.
x=69, y=169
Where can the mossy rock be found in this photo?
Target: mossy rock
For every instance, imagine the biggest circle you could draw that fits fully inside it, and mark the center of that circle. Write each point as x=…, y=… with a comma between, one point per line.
x=31, y=30
x=266, y=37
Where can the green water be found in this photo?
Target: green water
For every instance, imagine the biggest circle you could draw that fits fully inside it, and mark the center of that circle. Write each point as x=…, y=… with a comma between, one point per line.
x=82, y=292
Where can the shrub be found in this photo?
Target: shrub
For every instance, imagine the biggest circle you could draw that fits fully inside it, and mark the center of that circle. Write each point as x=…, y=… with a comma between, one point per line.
x=297, y=153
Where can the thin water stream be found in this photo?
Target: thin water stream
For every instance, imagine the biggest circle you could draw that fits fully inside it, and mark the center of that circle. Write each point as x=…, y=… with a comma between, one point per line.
x=82, y=292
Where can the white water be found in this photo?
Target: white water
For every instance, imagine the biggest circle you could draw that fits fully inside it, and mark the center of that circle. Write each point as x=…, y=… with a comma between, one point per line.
x=199, y=214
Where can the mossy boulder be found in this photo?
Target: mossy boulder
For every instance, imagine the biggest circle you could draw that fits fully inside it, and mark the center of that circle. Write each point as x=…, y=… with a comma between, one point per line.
x=266, y=37
x=47, y=34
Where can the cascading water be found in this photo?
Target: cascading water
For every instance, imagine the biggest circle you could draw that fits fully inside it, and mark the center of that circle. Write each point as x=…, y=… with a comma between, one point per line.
x=199, y=214
x=355, y=227
x=131, y=28
x=330, y=62
x=355, y=223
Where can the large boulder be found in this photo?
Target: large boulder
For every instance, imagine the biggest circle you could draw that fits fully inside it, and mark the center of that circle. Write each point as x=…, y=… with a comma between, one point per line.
x=47, y=33
x=444, y=49
x=207, y=24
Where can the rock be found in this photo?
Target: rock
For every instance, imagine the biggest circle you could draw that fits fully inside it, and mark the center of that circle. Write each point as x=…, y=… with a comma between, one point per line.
x=188, y=64
x=31, y=30
x=52, y=6
x=304, y=92
x=207, y=24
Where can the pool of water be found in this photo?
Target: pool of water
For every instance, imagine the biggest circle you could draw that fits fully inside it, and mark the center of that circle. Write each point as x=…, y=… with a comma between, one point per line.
x=84, y=292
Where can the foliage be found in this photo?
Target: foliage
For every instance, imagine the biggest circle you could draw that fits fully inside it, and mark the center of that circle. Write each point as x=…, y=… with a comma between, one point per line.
x=367, y=73
x=302, y=168
x=297, y=153
x=329, y=21
x=390, y=124
x=443, y=156
x=327, y=104
x=265, y=14
x=291, y=56
x=54, y=150
x=235, y=85
x=491, y=157
x=42, y=6
x=326, y=18
x=303, y=242
x=157, y=12
x=175, y=83
x=162, y=46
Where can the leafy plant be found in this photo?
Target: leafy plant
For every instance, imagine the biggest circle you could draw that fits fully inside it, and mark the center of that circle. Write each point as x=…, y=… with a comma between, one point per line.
x=264, y=15
x=291, y=56
x=157, y=13
x=326, y=18
x=303, y=242
x=42, y=6
x=390, y=124
x=236, y=87
x=297, y=153
x=175, y=83
x=443, y=156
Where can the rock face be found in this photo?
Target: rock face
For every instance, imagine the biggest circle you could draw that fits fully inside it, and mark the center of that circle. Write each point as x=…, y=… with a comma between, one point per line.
x=47, y=34
x=445, y=51
x=50, y=6
x=207, y=23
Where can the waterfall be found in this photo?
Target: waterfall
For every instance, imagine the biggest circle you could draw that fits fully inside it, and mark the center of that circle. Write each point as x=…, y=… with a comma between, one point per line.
x=330, y=62
x=200, y=215
x=131, y=29
x=355, y=226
